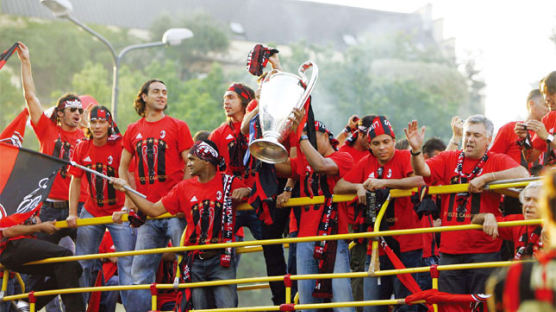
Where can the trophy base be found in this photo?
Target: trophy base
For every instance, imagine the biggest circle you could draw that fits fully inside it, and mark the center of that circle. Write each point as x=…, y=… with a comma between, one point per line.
x=268, y=150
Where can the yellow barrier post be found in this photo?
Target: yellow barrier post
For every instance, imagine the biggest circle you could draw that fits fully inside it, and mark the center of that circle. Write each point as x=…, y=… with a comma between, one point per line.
x=154, y=303
x=5, y=278
x=32, y=301
x=374, y=265
x=288, y=284
x=21, y=282
x=434, y=275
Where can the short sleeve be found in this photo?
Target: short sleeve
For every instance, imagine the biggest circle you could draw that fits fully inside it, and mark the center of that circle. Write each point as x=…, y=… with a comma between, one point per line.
x=171, y=201
x=43, y=127
x=356, y=174
x=127, y=140
x=75, y=157
x=437, y=166
x=509, y=233
x=238, y=183
x=503, y=162
x=344, y=161
x=499, y=145
x=549, y=121
x=405, y=163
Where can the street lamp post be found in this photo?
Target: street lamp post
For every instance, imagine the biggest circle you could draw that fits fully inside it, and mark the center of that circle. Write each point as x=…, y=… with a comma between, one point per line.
x=173, y=36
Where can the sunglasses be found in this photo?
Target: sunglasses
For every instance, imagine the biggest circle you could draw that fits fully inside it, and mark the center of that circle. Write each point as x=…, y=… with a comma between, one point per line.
x=73, y=109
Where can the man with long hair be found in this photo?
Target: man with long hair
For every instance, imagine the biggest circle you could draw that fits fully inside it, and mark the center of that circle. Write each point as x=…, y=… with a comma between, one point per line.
x=158, y=145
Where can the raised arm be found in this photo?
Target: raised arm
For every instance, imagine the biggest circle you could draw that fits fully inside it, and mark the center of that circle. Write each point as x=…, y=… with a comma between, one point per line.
x=29, y=91
x=457, y=134
x=247, y=119
x=415, y=138
x=352, y=124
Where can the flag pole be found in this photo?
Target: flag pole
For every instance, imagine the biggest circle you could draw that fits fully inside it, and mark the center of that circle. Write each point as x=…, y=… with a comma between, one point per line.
x=72, y=163
x=127, y=187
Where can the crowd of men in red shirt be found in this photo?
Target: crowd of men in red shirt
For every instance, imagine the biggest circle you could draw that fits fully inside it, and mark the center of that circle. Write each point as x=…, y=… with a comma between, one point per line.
x=202, y=180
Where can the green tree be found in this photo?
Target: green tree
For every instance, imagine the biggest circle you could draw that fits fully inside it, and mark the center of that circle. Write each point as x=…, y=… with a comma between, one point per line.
x=210, y=37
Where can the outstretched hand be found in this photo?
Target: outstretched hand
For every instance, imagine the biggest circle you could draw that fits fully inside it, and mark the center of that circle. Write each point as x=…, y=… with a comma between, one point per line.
x=415, y=136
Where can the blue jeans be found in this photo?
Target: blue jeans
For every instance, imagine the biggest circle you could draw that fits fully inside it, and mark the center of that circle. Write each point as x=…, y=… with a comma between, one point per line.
x=49, y=213
x=108, y=299
x=249, y=219
x=306, y=264
x=88, y=241
x=391, y=284
x=224, y=296
x=152, y=234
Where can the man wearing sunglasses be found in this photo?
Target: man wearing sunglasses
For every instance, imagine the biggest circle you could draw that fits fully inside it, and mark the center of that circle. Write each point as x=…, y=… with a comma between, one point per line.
x=58, y=136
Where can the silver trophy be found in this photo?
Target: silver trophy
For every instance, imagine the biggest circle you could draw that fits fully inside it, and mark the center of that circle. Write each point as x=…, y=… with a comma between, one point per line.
x=280, y=93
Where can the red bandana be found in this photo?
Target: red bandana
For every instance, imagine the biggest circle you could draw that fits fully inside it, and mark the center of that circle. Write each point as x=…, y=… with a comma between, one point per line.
x=380, y=125
x=241, y=91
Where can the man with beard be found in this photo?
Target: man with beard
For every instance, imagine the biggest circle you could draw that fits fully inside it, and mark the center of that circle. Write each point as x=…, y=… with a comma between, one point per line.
x=58, y=136
x=158, y=145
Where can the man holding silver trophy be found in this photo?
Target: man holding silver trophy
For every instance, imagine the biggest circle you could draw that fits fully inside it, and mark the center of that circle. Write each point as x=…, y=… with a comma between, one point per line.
x=317, y=166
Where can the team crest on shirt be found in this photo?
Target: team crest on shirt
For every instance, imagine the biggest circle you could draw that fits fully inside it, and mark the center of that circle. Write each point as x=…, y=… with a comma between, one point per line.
x=162, y=134
x=218, y=195
x=110, y=159
x=389, y=174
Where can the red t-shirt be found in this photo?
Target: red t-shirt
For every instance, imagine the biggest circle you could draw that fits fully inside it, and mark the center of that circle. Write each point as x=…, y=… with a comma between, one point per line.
x=59, y=143
x=157, y=147
x=512, y=233
x=195, y=199
x=505, y=142
x=311, y=215
x=443, y=172
x=398, y=167
x=225, y=138
x=355, y=153
x=549, y=121
x=102, y=199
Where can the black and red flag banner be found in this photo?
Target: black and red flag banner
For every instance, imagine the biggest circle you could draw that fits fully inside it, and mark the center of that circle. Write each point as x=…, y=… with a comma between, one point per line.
x=25, y=180
x=6, y=54
x=15, y=131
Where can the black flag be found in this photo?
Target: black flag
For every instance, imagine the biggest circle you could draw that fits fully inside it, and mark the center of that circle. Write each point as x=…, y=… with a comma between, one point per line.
x=6, y=54
x=25, y=180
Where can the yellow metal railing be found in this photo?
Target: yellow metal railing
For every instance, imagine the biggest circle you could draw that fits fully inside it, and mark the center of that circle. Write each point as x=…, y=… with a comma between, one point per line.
x=247, y=246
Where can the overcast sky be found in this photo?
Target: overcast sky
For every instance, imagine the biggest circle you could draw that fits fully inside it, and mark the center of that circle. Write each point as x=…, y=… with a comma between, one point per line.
x=509, y=38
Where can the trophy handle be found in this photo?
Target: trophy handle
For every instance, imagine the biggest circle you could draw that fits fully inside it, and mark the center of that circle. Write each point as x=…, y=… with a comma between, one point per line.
x=314, y=76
